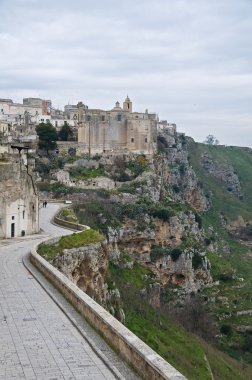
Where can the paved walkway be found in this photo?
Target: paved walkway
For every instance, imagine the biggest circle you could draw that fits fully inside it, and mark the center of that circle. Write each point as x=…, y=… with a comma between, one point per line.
x=37, y=339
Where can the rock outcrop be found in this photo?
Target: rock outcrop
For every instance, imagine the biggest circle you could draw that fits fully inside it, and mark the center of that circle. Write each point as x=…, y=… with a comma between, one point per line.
x=225, y=173
x=87, y=267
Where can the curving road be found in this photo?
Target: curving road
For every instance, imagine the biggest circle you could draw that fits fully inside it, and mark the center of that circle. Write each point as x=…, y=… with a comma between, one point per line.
x=37, y=339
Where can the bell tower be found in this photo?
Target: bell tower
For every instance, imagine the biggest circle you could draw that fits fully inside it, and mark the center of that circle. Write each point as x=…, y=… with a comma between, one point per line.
x=127, y=105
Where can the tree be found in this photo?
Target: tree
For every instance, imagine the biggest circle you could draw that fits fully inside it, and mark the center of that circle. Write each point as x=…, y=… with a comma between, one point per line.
x=47, y=136
x=211, y=140
x=65, y=132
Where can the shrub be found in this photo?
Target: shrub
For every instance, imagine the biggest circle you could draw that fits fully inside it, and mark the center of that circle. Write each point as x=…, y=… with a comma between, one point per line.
x=247, y=345
x=228, y=276
x=207, y=241
x=137, y=166
x=175, y=188
x=198, y=220
x=196, y=260
x=162, y=212
x=85, y=173
x=248, y=229
x=175, y=253
x=182, y=169
x=226, y=329
x=157, y=252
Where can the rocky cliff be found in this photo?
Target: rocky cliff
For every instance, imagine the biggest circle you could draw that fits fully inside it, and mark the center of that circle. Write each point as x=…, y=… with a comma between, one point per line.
x=87, y=267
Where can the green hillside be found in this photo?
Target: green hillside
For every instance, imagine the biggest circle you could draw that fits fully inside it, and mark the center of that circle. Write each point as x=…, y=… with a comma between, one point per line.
x=232, y=269
x=223, y=201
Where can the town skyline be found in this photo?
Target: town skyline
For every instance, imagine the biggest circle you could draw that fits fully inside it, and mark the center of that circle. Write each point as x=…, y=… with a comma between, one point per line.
x=189, y=63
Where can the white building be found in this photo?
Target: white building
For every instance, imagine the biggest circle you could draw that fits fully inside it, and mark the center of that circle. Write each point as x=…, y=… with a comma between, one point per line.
x=19, y=204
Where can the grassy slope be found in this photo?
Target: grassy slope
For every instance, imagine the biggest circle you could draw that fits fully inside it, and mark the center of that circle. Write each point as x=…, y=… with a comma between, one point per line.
x=238, y=294
x=223, y=200
x=183, y=350
x=49, y=251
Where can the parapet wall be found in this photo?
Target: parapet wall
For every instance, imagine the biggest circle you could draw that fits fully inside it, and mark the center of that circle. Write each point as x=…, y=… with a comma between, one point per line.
x=134, y=351
x=71, y=225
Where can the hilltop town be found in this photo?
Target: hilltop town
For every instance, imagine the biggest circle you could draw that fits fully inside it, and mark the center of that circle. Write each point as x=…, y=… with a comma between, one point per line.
x=92, y=133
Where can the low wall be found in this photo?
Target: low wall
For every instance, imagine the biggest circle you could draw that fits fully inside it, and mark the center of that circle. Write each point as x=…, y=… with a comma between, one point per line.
x=71, y=225
x=133, y=350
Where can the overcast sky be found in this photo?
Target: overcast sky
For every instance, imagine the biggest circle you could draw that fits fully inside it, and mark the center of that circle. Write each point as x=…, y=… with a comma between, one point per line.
x=190, y=61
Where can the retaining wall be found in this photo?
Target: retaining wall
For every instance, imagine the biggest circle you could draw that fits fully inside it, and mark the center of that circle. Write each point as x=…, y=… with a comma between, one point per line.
x=133, y=350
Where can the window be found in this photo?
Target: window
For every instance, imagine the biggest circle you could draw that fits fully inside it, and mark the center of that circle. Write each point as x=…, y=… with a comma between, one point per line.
x=103, y=118
x=88, y=117
x=23, y=214
x=146, y=140
x=119, y=117
x=132, y=139
x=13, y=217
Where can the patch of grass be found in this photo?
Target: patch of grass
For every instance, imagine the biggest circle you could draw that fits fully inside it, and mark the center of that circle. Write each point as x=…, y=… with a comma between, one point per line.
x=131, y=187
x=183, y=350
x=98, y=214
x=232, y=269
x=58, y=188
x=49, y=251
x=82, y=173
x=133, y=276
x=223, y=200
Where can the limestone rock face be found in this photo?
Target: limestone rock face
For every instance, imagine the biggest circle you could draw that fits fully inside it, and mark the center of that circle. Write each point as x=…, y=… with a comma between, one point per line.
x=186, y=188
x=182, y=273
x=223, y=172
x=152, y=294
x=176, y=178
x=87, y=267
x=138, y=244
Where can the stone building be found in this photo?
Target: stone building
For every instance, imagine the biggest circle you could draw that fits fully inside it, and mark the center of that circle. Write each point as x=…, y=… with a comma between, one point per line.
x=119, y=130
x=19, y=205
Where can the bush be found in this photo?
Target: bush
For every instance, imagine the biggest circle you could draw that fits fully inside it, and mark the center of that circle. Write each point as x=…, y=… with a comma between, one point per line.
x=175, y=188
x=158, y=252
x=182, y=169
x=248, y=229
x=196, y=260
x=207, y=241
x=228, y=276
x=85, y=173
x=198, y=220
x=175, y=254
x=137, y=166
x=247, y=346
x=226, y=329
x=162, y=212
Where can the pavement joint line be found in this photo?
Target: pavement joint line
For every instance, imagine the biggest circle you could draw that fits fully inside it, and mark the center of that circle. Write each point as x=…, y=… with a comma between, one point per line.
x=27, y=264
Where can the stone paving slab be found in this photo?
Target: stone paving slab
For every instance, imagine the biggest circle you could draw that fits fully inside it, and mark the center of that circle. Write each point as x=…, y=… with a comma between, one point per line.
x=37, y=340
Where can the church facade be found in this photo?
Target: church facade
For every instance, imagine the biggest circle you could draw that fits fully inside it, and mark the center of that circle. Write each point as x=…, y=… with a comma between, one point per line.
x=119, y=130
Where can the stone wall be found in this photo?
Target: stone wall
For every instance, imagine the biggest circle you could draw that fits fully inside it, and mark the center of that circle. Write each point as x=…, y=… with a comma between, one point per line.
x=134, y=351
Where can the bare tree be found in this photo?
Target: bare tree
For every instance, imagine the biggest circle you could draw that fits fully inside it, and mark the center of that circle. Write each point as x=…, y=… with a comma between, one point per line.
x=211, y=140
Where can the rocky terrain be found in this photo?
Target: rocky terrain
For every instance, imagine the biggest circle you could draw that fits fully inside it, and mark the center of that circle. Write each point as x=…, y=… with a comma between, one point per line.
x=168, y=222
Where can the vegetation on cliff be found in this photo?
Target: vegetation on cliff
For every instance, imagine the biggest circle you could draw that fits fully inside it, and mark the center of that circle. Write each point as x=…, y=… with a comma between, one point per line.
x=175, y=230
x=230, y=300
x=50, y=251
